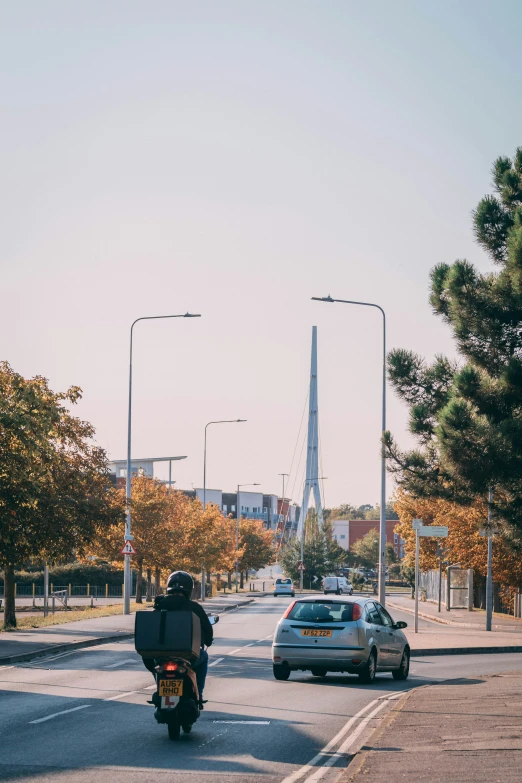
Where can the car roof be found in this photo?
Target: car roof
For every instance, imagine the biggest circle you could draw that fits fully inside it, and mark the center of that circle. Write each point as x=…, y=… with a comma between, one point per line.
x=337, y=599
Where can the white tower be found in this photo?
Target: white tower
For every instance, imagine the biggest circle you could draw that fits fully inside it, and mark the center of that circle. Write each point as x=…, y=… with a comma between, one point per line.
x=312, y=454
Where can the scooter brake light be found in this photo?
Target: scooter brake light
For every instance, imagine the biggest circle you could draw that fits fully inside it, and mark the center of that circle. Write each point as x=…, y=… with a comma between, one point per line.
x=170, y=666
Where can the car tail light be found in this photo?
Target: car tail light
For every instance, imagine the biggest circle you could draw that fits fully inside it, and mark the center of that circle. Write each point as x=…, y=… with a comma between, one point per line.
x=356, y=612
x=289, y=609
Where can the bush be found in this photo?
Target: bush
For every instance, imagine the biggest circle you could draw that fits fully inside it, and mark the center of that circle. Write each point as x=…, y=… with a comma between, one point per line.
x=74, y=574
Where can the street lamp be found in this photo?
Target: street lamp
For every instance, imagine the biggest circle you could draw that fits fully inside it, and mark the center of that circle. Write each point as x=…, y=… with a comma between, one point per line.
x=238, y=517
x=287, y=475
x=223, y=421
x=382, y=527
x=128, y=536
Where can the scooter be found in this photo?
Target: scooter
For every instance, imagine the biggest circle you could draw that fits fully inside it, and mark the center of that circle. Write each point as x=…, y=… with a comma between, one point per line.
x=177, y=699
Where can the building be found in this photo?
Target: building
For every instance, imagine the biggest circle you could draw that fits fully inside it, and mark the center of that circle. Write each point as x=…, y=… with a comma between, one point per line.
x=347, y=531
x=118, y=468
x=254, y=505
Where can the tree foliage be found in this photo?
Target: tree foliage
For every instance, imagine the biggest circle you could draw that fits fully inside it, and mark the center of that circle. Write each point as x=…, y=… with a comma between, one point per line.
x=467, y=416
x=54, y=486
x=464, y=543
x=365, y=551
x=366, y=511
x=322, y=554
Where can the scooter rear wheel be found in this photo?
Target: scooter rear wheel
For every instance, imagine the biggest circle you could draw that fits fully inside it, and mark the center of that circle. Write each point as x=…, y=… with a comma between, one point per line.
x=174, y=727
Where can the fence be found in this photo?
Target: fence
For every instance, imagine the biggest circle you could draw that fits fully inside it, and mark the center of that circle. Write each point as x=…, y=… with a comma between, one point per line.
x=32, y=590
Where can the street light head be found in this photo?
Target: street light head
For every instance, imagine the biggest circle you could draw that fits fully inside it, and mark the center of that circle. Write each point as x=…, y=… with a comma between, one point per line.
x=192, y=315
x=240, y=420
x=323, y=299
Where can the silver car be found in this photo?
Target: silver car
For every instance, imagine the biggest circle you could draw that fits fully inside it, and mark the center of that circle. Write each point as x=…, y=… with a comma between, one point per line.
x=284, y=586
x=323, y=635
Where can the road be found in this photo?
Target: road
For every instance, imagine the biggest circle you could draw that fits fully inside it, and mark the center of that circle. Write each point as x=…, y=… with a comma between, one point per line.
x=254, y=729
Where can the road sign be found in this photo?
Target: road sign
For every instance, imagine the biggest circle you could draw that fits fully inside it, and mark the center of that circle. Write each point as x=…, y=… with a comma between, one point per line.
x=416, y=523
x=315, y=578
x=300, y=566
x=435, y=531
x=128, y=549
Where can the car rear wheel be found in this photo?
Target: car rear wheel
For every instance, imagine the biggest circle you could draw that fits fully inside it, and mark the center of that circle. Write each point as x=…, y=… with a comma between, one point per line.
x=319, y=671
x=281, y=672
x=404, y=669
x=367, y=675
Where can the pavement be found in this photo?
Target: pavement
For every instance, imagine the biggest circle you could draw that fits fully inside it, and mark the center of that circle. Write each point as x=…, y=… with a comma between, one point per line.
x=454, y=636
x=27, y=644
x=466, y=730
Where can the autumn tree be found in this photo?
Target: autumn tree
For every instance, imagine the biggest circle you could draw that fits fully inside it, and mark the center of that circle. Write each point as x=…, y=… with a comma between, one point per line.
x=322, y=554
x=257, y=544
x=54, y=484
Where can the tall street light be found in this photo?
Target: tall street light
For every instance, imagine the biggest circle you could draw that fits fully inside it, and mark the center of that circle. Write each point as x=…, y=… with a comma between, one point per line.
x=287, y=475
x=128, y=536
x=238, y=517
x=382, y=526
x=223, y=421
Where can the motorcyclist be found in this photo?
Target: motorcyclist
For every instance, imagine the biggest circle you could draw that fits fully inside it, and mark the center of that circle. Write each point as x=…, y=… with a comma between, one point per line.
x=178, y=599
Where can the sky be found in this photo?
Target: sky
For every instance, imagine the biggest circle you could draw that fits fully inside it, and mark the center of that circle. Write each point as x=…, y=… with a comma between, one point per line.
x=234, y=159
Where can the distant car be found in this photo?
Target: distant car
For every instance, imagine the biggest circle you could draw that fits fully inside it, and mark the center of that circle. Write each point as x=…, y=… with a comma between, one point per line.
x=355, y=635
x=284, y=586
x=338, y=585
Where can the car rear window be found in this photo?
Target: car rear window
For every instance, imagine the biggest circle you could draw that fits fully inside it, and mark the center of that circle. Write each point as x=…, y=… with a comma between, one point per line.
x=322, y=612
x=283, y=581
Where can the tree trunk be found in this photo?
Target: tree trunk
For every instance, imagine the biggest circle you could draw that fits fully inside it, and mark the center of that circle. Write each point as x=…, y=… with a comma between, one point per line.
x=139, y=581
x=9, y=595
x=149, y=586
x=241, y=580
x=157, y=581
x=230, y=580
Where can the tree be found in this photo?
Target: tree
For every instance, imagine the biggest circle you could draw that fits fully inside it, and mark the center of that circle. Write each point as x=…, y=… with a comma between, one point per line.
x=467, y=416
x=54, y=484
x=365, y=551
x=464, y=543
x=322, y=554
x=257, y=544
x=366, y=511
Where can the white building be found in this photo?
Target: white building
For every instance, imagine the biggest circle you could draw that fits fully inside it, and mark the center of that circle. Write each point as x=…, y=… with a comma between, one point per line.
x=341, y=532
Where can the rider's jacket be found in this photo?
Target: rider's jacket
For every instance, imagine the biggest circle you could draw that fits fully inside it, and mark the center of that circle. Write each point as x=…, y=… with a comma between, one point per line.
x=178, y=603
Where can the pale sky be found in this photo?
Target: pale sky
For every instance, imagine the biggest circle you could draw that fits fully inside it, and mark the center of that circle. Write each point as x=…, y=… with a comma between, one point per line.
x=234, y=159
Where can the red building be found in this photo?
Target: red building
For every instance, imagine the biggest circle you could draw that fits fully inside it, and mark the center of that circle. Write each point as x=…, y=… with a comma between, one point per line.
x=347, y=531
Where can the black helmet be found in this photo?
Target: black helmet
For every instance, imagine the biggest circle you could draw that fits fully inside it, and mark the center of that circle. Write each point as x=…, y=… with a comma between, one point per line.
x=180, y=582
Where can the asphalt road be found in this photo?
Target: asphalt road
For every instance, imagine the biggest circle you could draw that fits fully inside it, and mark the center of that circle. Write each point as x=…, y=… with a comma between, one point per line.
x=83, y=716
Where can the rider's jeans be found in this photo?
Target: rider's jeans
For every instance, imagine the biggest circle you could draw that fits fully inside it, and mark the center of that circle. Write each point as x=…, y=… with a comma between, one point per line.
x=200, y=670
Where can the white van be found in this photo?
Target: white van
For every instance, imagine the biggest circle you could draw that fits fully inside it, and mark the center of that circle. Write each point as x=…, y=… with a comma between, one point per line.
x=338, y=585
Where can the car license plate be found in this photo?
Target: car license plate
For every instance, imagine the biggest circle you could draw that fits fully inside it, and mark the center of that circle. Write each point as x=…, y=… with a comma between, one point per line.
x=315, y=632
x=170, y=688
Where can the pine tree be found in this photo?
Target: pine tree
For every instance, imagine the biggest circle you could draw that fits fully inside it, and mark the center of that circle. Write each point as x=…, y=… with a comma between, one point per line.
x=467, y=415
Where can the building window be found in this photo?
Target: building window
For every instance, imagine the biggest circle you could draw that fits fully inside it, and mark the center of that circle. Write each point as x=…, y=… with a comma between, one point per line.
x=395, y=538
x=225, y=508
x=265, y=510
x=232, y=508
x=342, y=535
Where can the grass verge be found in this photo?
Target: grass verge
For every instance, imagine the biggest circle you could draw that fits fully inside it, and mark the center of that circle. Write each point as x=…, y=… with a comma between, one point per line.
x=69, y=617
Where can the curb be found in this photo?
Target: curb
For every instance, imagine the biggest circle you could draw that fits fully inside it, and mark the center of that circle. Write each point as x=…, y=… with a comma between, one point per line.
x=59, y=648
x=425, y=653
x=357, y=763
x=453, y=623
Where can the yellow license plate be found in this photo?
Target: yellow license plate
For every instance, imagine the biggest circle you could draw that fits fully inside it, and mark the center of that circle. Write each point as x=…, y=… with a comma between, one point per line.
x=315, y=632
x=170, y=688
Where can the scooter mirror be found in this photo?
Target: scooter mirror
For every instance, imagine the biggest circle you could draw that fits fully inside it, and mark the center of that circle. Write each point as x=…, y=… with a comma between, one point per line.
x=213, y=618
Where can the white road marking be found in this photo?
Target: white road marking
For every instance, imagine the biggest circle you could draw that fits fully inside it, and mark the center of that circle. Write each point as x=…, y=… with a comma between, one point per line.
x=121, y=663
x=235, y=651
x=250, y=722
x=350, y=739
x=63, y=712
x=149, y=688
x=218, y=660
x=320, y=757
x=121, y=695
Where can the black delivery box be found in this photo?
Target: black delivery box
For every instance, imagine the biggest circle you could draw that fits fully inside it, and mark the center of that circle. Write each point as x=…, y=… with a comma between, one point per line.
x=165, y=634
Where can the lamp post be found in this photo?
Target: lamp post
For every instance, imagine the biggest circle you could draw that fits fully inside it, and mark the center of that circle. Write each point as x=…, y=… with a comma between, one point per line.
x=223, y=421
x=238, y=517
x=382, y=526
x=128, y=536
x=283, y=501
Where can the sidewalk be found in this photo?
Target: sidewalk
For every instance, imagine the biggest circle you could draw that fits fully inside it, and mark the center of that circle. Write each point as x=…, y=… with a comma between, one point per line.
x=455, y=637
x=466, y=730
x=17, y=646
x=460, y=618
